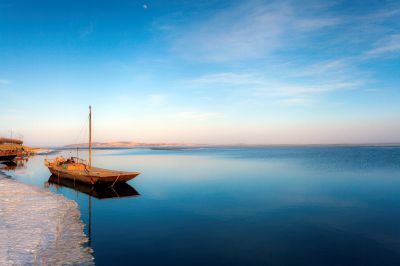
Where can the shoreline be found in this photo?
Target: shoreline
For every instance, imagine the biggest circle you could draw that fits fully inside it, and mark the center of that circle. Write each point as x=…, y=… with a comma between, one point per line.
x=39, y=227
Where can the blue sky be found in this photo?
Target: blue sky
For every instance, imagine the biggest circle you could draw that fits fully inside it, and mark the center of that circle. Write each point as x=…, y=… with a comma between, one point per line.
x=256, y=72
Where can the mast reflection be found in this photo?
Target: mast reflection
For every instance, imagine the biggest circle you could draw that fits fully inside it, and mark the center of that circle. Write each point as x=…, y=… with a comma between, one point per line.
x=119, y=190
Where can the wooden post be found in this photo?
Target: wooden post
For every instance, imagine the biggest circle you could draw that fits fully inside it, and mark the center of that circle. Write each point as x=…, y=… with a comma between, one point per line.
x=90, y=136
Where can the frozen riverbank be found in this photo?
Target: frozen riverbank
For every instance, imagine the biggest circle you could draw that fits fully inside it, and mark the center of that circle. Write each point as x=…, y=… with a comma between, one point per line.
x=39, y=227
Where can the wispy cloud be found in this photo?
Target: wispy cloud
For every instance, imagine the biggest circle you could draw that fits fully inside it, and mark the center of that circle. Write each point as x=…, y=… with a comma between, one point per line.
x=286, y=93
x=330, y=86
x=279, y=49
x=246, y=31
x=322, y=68
x=388, y=45
x=257, y=30
x=264, y=86
x=386, y=11
x=309, y=24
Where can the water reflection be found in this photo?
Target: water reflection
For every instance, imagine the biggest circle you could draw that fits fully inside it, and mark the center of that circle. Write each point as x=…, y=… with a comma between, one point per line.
x=119, y=190
x=19, y=163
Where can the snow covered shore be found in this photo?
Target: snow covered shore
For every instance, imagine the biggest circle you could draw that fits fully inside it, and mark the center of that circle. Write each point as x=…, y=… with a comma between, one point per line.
x=38, y=227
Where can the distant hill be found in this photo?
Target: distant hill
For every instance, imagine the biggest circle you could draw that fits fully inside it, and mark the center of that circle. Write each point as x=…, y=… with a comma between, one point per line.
x=131, y=144
x=127, y=144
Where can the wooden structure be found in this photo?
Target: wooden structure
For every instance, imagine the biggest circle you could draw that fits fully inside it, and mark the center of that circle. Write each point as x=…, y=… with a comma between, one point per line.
x=10, y=148
x=8, y=155
x=10, y=141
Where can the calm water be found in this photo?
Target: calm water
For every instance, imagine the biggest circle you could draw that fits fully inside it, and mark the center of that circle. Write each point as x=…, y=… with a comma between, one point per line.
x=259, y=206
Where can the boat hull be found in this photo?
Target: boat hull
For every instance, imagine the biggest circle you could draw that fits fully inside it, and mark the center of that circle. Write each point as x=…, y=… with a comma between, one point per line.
x=89, y=178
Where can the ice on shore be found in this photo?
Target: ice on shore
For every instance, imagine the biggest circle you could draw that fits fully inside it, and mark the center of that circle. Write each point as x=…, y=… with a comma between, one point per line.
x=38, y=227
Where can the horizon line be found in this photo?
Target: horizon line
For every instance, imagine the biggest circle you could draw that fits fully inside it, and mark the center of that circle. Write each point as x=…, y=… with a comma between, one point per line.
x=191, y=145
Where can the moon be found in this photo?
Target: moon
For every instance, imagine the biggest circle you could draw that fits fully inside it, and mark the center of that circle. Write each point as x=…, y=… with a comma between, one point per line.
x=144, y=6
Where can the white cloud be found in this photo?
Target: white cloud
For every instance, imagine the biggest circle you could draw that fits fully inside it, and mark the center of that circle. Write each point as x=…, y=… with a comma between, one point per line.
x=330, y=86
x=310, y=24
x=322, y=68
x=265, y=29
x=390, y=44
x=261, y=86
x=247, y=31
x=385, y=13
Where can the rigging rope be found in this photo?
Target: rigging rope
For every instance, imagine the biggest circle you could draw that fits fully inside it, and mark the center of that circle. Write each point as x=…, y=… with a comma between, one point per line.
x=83, y=130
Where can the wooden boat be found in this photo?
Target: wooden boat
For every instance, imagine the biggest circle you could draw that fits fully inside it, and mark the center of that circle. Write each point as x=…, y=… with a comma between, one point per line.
x=10, y=141
x=77, y=169
x=10, y=148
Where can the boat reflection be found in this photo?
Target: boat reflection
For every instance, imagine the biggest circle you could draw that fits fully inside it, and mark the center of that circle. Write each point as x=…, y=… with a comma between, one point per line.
x=14, y=165
x=8, y=166
x=119, y=190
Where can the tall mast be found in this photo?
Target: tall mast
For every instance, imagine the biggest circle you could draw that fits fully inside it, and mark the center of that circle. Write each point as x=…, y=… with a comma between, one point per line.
x=90, y=136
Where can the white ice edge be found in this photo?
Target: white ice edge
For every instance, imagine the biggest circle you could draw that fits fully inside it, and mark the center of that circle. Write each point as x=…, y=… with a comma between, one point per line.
x=38, y=227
